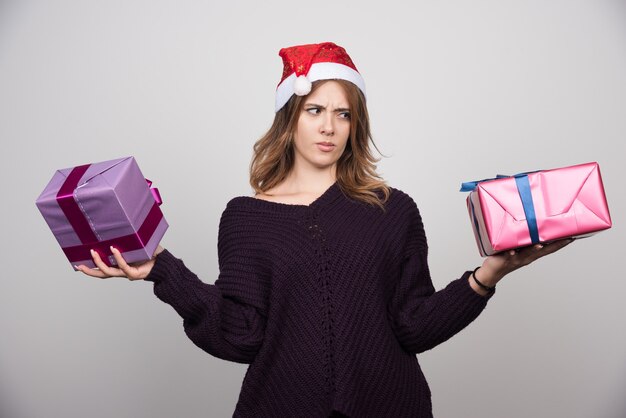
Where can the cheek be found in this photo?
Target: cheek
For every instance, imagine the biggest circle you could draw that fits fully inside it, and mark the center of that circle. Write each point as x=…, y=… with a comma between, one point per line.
x=344, y=130
x=301, y=132
x=344, y=146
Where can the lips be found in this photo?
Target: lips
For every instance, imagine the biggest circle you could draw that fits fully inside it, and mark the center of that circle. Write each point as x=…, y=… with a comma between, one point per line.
x=322, y=146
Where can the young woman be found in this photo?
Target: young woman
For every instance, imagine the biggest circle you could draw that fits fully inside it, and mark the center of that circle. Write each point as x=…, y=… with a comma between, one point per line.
x=324, y=287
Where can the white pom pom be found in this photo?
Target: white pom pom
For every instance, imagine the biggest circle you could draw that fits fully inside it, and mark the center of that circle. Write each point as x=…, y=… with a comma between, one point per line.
x=302, y=86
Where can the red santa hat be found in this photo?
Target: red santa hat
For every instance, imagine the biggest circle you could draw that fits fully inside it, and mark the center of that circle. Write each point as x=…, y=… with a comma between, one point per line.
x=304, y=64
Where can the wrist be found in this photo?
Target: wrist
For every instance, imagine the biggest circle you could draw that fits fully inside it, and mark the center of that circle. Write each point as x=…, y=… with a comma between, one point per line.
x=486, y=276
x=158, y=251
x=478, y=286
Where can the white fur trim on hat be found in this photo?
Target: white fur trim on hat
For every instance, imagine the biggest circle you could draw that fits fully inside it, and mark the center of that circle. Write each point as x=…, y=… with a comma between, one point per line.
x=318, y=71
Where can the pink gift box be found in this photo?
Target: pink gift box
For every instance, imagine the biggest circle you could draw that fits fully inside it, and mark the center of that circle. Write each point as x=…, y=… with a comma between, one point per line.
x=516, y=211
x=95, y=206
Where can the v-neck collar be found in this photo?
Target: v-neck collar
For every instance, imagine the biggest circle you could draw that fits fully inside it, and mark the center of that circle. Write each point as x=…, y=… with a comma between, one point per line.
x=329, y=195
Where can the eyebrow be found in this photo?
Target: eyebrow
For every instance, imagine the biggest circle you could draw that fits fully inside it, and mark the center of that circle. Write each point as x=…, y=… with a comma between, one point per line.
x=339, y=109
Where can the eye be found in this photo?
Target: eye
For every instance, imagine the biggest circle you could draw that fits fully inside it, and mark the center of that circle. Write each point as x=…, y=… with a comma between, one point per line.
x=345, y=115
x=313, y=110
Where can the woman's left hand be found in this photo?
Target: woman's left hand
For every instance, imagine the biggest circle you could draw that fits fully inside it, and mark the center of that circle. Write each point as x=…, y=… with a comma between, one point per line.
x=496, y=266
x=133, y=271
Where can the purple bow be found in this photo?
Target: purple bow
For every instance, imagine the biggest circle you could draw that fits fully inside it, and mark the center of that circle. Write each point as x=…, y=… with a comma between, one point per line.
x=155, y=193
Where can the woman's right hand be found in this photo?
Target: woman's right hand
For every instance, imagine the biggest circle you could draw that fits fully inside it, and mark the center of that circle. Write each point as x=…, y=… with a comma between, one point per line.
x=496, y=266
x=133, y=271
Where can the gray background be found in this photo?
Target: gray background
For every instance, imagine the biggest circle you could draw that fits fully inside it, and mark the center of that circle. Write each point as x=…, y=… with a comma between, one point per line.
x=457, y=91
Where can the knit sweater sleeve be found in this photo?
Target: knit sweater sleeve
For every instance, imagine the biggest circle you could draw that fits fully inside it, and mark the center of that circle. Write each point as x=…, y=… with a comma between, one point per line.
x=226, y=319
x=422, y=318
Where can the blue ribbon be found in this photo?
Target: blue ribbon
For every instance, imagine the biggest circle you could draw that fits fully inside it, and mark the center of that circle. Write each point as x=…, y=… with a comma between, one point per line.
x=468, y=186
x=523, y=188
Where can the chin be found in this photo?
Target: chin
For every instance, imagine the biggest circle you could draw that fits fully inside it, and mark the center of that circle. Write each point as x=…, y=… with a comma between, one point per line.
x=323, y=162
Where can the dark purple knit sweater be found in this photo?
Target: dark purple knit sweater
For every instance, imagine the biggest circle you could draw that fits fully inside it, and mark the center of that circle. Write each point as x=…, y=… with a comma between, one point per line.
x=328, y=303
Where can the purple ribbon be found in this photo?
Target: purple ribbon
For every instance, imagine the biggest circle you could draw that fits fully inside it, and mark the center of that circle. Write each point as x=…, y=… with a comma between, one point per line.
x=125, y=243
x=71, y=210
x=80, y=224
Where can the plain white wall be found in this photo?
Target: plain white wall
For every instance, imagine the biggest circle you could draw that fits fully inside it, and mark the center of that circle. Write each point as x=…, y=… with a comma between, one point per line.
x=457, y=91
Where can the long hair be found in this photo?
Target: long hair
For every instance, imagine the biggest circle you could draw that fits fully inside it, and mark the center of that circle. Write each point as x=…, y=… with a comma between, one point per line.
x=273, y=156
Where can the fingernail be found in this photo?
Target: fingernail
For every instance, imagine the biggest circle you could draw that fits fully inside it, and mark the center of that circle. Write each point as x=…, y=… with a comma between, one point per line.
x=113, y=249
x=76, y=267
x=92, y=252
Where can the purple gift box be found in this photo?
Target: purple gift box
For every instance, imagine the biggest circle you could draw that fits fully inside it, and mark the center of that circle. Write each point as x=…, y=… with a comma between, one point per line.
x=95, y=206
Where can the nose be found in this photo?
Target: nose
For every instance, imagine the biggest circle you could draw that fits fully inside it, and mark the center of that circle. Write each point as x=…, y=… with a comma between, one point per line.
x=327, y=127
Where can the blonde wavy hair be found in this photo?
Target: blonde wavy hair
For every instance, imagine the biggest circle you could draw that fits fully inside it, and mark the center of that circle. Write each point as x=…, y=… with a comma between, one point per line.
x=273, y=153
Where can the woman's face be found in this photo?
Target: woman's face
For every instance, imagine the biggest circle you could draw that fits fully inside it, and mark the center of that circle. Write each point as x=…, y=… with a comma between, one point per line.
x=324, y=118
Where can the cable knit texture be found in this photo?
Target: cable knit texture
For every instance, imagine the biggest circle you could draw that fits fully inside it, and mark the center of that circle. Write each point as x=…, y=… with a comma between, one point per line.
x=328, y=303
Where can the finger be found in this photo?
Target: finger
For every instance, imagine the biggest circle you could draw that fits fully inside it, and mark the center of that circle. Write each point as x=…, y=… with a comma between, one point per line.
x=92, y=272
x=130, y=272
x=527, y=251
x=109, y=271
x=525, y=255
x=557, y=245
x=549, y=248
